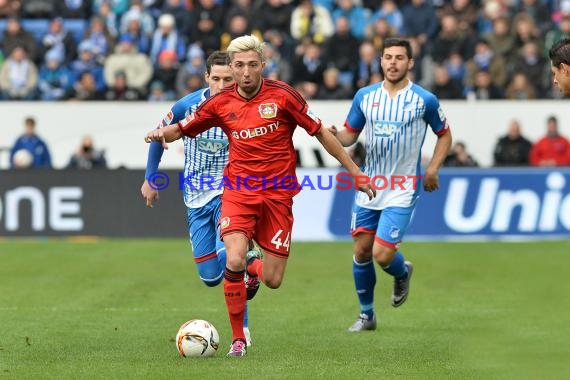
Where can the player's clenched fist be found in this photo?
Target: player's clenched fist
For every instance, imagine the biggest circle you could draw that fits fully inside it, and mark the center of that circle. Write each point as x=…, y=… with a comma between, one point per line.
x=156, y=135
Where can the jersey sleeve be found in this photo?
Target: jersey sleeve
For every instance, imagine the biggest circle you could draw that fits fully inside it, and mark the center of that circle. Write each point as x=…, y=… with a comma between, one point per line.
x=355, y=120
x=435, y=116
x=201, y=120
x=301, y=113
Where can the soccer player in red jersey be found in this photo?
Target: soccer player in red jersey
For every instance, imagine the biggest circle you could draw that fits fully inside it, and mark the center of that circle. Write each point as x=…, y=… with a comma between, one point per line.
x=259, y=117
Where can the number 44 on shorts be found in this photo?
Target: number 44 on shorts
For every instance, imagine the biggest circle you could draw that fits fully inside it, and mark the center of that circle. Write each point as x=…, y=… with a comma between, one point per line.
x=277, y=242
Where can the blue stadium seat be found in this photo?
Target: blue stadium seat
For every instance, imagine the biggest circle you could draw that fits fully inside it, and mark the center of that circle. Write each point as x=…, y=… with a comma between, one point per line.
x=76, y=27
x=38, y=27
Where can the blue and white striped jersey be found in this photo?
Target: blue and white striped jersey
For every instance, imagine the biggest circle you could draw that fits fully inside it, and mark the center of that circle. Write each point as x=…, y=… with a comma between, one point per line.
x=205, y=156
x=395, y=129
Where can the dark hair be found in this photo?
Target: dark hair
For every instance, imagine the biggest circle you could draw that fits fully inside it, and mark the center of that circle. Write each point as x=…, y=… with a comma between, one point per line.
x=552, y=119
x=30, y=121
x=560, y=52
x=389, y=42
x=219, y=58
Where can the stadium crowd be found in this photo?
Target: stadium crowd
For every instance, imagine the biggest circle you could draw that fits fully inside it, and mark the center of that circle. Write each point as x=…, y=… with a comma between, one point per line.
x=155, y=49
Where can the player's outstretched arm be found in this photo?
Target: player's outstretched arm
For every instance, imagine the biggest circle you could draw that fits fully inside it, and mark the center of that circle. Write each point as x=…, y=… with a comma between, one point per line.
x=345, y=136
x=431, y=177
x=164, y=135
x=332, y=145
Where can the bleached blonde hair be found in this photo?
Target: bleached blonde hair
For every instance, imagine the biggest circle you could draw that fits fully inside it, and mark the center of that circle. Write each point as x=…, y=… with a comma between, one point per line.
x=246, y=43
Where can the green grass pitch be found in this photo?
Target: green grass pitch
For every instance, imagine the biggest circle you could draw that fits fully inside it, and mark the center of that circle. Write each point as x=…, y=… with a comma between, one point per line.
x=109, y=309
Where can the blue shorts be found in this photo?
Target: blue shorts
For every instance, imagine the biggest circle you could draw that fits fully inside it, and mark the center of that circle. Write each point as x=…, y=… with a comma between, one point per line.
x=389, y=224
x=203, y=229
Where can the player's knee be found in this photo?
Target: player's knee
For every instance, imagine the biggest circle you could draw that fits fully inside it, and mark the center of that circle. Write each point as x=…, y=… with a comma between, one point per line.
x=235, y=262
x=362, y=254
x=383, y=255
x=273, y=282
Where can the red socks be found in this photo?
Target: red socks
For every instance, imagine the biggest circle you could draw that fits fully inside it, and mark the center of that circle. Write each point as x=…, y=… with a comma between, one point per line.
x=236, y=297
x=256, y=269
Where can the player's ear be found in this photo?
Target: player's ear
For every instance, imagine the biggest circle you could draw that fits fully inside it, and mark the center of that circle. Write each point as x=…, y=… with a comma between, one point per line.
x=411, y=63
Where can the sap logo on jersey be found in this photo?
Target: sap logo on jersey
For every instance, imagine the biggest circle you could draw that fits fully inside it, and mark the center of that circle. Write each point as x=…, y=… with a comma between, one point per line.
x=385, y=128
x=211, y=146
x=541, y=207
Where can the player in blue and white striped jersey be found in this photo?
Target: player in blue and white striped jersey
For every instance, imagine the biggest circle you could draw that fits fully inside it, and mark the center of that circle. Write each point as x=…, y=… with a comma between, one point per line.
x=394, y=116
x=205, y=159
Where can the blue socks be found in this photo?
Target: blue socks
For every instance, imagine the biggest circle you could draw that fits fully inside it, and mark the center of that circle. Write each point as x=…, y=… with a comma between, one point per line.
x=397, y=267
x=365, y=280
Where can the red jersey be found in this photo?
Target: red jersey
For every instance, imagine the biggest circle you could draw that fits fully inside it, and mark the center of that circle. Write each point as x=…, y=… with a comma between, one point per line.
x=260, y=133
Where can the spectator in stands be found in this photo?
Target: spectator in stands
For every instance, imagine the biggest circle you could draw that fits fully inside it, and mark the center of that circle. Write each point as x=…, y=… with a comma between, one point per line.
x=389, y=12
x=166, y=71
x=120, y=90
x=138, y=12
x=157, y=93
x=207, y=22
x=86, y=157
x=309, y=67
x=194, y=66
x=520, y=88
x=486, y=60
x=369, y=70
x=458, y=157
x=60, y=39
x=86, y=62
x=378, y=32
x=136, y=66
x=15, y=36
x=501, y=40
x=282, y=43
x=456, y=67
x=332, y=89
x=341, y=52
x=313, y=21
x=466, y=13
x=525, y=30
x=445, y=87
x=80, y=9
x=119, y=7
x=275, y=15
x=560, y=32
x=182, y=15
x=18, y=77
x=244, y=8
x=10, y=8
x=86, y=88
x=534, y=66
x=55, y=78
x=166, y=38
x=275, y=66
x=141, y=40
x=450, y=38
x=483, y=89
x=238, y=26
x=537, y=10
x=358, y=17
x=109, y=18
x=420, y=21
x=512, y=149
x=102, y=43
x=32, y=143
x=551, y=150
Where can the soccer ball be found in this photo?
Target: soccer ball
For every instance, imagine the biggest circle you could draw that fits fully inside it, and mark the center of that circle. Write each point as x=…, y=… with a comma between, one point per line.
x=197, y=338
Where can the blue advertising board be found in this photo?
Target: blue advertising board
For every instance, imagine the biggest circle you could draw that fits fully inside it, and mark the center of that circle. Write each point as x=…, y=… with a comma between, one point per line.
x=483, y=203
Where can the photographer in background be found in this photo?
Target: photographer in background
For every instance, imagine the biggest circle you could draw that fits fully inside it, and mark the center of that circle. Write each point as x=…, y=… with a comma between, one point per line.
x=87, y=157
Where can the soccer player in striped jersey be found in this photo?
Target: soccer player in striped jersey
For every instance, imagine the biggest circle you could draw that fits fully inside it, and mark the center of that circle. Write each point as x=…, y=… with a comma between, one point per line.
x=259, y=117
x=394, y=116
x=205, y=159
x=560, y=64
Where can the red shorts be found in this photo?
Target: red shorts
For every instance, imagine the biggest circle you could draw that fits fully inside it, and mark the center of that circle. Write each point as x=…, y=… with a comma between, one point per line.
x=267, y=221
